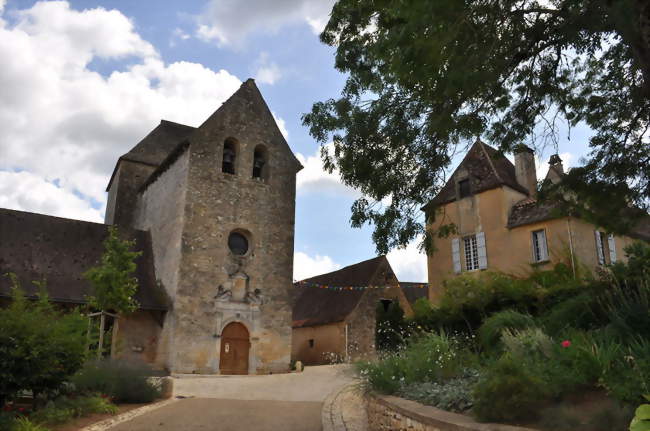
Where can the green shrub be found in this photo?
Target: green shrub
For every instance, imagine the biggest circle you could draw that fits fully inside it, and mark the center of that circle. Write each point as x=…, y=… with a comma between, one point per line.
x=391, y=330
x=489, y=333
x=507, y=391
x=527, y=343
x=123, y=381
x=24, y=424
x=574, y=312
x=39, y=347
x=628, y=379
x=430, y=357
x=452, y=395
x=628, y=309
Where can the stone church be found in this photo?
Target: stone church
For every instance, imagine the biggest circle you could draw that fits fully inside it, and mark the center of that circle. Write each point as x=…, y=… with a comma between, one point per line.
x=212, y=210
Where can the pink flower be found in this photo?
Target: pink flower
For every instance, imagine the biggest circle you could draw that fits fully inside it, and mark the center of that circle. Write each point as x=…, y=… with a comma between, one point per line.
x=566, y=343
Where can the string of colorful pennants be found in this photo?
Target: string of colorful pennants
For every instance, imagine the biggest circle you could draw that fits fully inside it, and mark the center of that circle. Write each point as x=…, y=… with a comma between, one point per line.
x=325, y=286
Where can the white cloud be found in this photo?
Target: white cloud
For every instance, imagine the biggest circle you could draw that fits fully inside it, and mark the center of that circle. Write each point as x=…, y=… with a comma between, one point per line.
x=178, y=34
x=60, y=119
x=409, y=263
x=313, y=178
x=305, y=266
x=25, y=191
x=266, y=71
x=282, y=125
x=229, y=22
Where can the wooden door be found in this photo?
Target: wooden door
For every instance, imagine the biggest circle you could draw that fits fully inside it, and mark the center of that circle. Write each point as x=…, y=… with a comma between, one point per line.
x=234, y=349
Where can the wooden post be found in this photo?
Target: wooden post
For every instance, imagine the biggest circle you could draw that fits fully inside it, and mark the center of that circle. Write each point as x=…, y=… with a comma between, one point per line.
x=102, y=321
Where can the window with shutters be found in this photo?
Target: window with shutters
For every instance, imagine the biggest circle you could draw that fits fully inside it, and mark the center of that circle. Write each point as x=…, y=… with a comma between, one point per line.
x=471, y=253
x=540, y=248
x=605, y=248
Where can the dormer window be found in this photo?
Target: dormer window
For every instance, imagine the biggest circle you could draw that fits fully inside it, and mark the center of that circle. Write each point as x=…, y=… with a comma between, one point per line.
x=260, y=167
x=229, y=156
x=464, y=189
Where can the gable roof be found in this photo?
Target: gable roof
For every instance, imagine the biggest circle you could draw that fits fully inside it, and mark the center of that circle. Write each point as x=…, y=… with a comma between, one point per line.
x=250, y=97
x=156, y=146
x=487, y=169
x=59, y=250
x=320, y=306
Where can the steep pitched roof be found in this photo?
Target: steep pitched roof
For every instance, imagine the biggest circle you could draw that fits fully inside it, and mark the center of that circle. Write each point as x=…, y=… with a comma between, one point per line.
x=530, y=210
x=319, y=306
x=487, y=169
x=59, y=250
x=250, y=97
x=156, y=146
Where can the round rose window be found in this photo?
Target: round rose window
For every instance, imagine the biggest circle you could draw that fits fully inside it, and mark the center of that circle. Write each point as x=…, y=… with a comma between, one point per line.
x=238, y=244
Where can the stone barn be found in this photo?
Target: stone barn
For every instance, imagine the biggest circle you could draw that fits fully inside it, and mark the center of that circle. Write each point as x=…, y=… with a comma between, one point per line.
x=334, y=314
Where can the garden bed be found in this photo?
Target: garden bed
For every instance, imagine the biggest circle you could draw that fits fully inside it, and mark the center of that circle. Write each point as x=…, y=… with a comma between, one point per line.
x=553, y=351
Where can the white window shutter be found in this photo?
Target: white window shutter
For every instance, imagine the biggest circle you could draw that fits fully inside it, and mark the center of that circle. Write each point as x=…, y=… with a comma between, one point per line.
x=543, y=247
x=455, y=254
x=482, y=251
x=599, y=248
x=612, y=248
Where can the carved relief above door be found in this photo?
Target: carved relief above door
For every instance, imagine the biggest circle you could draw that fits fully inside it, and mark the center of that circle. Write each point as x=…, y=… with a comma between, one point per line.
x=235, y=344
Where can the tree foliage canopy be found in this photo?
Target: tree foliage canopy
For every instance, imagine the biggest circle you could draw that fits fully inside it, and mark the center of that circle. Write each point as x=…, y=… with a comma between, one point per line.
x=39, y=347
x=425, y=76
x=112, y=280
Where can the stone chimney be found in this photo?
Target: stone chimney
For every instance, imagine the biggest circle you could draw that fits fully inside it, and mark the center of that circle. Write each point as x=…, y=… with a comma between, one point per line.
x=525, y=169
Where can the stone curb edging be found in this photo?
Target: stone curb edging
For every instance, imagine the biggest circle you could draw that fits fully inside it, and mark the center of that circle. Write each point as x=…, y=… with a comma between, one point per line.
x=344, y=410
x=428, y=416
x=115, y=420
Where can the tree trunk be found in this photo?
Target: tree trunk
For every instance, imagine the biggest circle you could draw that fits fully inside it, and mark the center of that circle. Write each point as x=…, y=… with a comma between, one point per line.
x=102, y=323
x=642, y=47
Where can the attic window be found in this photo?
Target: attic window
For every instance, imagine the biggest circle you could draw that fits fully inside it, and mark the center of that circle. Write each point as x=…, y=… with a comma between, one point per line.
x=311, y=342
x=229, y=156
x=464, y=188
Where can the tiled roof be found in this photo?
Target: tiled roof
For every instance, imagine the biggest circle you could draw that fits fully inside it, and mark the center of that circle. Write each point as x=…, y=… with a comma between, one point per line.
x=319, y=306
x=59, y=250
x=154, y=148
x=487, y=169
x=529, y=211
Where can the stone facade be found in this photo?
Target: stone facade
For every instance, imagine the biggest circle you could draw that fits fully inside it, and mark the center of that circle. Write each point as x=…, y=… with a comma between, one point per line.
x=191, y=207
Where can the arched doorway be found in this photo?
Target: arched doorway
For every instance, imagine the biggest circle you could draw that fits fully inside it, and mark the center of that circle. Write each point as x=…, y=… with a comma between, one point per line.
x=235, y=344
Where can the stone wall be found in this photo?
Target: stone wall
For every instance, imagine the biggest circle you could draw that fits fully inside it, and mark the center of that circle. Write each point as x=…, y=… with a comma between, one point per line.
x=328, y=339
x=123, y=192
x=386, y=413
x=217, y=204
x=361, y=326
x=137, y=335
x=161, y=210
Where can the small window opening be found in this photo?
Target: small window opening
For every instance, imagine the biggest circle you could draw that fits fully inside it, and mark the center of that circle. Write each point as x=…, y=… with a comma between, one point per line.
x=311, y=343
x=385, y=303
x=464, y=188
x=229, y=156
x=259, y=163
x=238, y=244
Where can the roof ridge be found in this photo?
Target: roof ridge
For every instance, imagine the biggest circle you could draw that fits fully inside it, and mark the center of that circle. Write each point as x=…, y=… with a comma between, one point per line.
x=494, y=169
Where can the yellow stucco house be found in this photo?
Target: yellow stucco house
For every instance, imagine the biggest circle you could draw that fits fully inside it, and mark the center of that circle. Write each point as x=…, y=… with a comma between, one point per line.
x=500, y=225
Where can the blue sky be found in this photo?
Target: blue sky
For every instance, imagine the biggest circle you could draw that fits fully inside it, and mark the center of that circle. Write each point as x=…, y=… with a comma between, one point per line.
x=85, y=80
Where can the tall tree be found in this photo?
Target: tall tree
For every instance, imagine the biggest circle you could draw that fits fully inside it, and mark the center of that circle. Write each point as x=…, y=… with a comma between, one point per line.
x=425, y=76
x=113, y=281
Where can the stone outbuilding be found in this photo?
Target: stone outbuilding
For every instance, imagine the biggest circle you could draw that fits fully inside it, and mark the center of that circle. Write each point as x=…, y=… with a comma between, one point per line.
x=334, y=314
